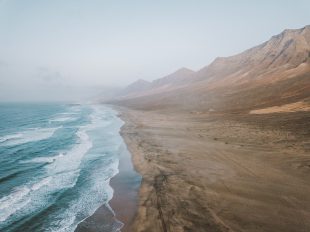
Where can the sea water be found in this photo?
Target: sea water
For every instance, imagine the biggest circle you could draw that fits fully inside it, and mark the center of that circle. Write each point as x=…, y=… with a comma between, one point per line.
x=56, y=161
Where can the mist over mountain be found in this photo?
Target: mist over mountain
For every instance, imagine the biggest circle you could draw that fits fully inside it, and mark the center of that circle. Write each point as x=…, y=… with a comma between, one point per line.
x=275, y=72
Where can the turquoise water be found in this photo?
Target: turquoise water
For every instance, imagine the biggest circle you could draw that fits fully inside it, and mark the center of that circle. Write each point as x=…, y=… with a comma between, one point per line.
x=56, y=162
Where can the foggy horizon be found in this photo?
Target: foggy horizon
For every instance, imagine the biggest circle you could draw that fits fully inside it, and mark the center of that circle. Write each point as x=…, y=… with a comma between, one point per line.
x=74, y=50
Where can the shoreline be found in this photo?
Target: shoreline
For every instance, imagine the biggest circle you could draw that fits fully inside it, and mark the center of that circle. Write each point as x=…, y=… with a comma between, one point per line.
x=126, y=185
x=122, y=207
x=198, y=175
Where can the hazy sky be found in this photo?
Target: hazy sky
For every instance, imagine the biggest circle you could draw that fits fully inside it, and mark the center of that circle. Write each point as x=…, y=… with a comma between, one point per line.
x=56, y=44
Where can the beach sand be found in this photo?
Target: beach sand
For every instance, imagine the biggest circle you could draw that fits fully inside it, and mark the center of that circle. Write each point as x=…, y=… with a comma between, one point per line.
x=126, y=186
x=213, y=172
x=124, y=202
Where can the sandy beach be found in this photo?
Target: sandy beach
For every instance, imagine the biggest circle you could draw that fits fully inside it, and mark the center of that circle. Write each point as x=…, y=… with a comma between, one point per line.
x=210, y=172
x=124, y=203
x=154, y=116
x=126, y=186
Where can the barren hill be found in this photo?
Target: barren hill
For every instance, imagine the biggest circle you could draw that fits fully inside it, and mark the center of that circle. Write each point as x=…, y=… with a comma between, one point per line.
x=274, y=73
x=138, y=86
x=228, y=149
x=179, y=77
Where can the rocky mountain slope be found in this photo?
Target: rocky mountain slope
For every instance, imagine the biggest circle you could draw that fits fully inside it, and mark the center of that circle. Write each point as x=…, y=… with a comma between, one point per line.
x=136, y=87
x=274, y=73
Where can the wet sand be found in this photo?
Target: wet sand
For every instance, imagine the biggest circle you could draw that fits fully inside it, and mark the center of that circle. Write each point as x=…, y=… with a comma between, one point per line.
x=126, y=186
x=123, y=204
x=207, y=172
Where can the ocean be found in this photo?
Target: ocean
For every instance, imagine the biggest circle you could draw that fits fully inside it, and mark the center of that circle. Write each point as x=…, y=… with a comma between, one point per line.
x=56, y=161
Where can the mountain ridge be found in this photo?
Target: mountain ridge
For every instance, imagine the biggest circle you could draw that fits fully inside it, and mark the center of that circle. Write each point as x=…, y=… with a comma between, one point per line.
x=281, y=65
x=137, y=86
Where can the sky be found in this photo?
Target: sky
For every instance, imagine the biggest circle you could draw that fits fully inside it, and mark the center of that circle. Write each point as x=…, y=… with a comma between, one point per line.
x=59, y=48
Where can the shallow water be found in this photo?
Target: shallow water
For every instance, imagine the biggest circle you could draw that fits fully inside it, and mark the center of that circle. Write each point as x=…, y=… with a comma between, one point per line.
x=56, y=162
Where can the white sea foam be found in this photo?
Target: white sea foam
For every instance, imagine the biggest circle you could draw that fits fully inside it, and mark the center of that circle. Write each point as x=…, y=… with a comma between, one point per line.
x=5, y=214
x=47, y=159
x=19, y=198
x=66, y=162
x=63, y=171
x=30, y=135
x=42, y=183
x=61, y=119
x=75, y=109
x=71, y=160
x=10, y=137
x=98, y=118
x=15, y=196
x=67, y=168
x=90, y=199
x=69, y=113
